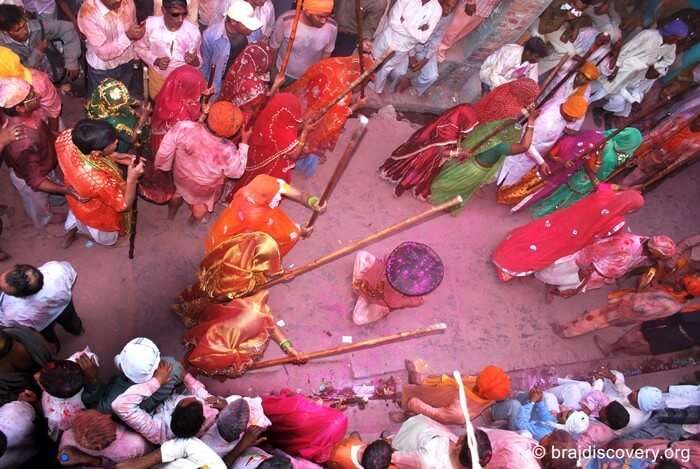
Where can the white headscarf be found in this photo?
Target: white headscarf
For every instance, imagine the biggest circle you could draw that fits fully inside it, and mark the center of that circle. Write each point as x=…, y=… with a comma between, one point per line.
x=576, y=424
x=138, y=359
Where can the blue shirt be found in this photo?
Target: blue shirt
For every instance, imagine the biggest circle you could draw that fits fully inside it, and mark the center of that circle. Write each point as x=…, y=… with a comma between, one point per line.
x=216, y=48
x=535, y=420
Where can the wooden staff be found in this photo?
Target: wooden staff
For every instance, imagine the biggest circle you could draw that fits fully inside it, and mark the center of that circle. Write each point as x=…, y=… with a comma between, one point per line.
x=135, y=141
x=360, y=48
x=281, y=73
x=568, y=76
x=210, y=83
x=354, y=246
x=313, y=120
x=552, y=74
x=146, y=94
x=438, y=328
x=667, y=171
x=342, y=165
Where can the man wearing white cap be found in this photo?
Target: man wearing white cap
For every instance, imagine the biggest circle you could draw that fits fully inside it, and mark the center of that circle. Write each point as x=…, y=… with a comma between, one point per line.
x=225, y=39
x=137, y=362
x=28, y=154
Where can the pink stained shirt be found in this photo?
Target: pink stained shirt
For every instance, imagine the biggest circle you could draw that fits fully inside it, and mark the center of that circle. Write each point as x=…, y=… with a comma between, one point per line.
x=105, y=31
x=127, y=445
x=510, y=450
x=156, y=427
x=200, y=162
x=159, y=41
x=612, y=257
x=49, y=99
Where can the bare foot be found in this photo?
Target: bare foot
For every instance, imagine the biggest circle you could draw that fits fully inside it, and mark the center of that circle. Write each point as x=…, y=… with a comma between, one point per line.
x=69, y=238
x=604, y=348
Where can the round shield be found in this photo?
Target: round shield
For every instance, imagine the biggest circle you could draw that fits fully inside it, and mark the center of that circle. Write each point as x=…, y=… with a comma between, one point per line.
x=414, y=269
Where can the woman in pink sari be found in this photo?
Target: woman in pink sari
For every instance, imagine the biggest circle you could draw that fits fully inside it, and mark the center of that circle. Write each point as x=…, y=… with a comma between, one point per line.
x=540, y=243
x=414, y=165
x=302, y=427
x=178, y=100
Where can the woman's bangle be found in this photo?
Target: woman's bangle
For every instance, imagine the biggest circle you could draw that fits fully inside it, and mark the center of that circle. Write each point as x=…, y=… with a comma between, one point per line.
x=530, y=126
x=312, y=201
x=285, y=345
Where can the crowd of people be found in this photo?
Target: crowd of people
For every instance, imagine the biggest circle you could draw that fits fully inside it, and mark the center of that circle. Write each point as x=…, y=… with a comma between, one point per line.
x=200, y=102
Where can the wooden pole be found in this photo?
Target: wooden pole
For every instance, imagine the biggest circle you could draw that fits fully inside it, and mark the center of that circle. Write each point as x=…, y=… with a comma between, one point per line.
x=668, y=170
x=354, y=246
x=281, y=73
x=313, y=120
x=360, y=48
x=438, y=328
x=135, y=141
x=553, y=74
x=342, y=165
x=210, y=82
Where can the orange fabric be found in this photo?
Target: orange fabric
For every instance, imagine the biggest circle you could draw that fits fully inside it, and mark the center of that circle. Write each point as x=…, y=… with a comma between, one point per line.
x=493, y=383
x=692, y=284
x=230, y=337
x=250, y=211
x=321, y=84
x=444, y=381
x=575, y=106
x=318, y=7
x=224, y=119
x=590, y=71
x=341, y=456
x=99, y=179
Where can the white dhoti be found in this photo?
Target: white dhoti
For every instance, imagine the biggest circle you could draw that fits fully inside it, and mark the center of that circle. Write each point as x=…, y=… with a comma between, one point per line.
x=562, y=274
x=106, y=238
x=36, y=203
x=394, y=68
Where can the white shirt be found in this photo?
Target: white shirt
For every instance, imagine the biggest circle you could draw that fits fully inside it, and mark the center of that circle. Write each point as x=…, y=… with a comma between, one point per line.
x=159, y=41
x=257, y=418
x=182, y=453
x=266, y=14
x=406, y=17
x=17, y=423
x=427, y=438
x=105, y=31
x=619, y=392
x=42, y=308
x=505, y=65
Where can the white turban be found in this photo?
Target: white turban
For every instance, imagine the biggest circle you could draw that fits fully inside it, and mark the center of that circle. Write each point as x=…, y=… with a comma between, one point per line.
x=650, y=399
x=138, y=359
x=576, y=424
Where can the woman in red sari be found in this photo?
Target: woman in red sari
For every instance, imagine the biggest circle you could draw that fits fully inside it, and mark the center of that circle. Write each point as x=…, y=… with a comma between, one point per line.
x=276, y=142
x=321, y=84
x=247, y=81
x=178, y=100
x=415, y=164
x=538, y=244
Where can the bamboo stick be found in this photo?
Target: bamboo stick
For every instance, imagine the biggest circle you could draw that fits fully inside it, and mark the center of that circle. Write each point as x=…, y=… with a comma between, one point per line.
x=354, y=246
x=340, y=168
x=668, y=171
x=281, y=73
x=360, y=48
x=553, y=74
x=438, y=328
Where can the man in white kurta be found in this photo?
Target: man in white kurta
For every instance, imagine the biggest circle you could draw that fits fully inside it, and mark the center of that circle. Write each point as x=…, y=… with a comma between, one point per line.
x=512, y=61
x=641, y=61
x=409, y=23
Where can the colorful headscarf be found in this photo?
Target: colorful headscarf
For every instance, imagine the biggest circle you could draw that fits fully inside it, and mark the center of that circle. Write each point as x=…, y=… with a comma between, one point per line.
x=575, y=106
x=179, y=98
x=11, y=66
x=628, y=140
x=13, y=91
x=248, y=76
x=276, y=129
x=493, y=384
x=224, y=119
x=590, y=70
x=110, y=98
x=318, y=7
x=677, y=28
x=507, y=101
x=664, y=245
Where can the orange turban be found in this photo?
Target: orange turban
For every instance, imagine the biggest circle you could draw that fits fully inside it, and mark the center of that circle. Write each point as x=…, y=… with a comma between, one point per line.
x=575, y=106
x=262, y=190
x=493, y=384
x=318, y=7
x=224, y=119
x=692, y=284
x=590, y=71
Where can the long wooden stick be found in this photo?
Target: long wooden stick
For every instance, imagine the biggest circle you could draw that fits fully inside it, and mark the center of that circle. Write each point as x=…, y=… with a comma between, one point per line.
x=210, y=82
x=354, y=246
x=288, y=53
x=438, y=328
x=313, y=120
x=360, y=48
x=668, y=170
x=355, y=139
x=553, y=73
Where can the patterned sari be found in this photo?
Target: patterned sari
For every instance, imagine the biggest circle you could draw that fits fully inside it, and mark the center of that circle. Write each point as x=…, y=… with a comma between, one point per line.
x=321, y=84
x=111, y=102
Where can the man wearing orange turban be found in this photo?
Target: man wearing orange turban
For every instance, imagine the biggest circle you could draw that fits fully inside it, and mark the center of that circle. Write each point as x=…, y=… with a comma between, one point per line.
x=437, y=396
x=201, y=157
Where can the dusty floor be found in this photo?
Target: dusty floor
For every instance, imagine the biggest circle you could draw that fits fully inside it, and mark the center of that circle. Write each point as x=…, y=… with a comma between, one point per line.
x=488, y=322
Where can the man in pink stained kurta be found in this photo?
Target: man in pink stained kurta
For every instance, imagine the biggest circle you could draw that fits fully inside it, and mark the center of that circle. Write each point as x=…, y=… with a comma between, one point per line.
x=201, y=157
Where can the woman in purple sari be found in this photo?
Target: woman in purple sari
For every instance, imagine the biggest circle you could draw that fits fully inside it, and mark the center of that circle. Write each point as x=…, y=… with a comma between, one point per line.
x=565, y=158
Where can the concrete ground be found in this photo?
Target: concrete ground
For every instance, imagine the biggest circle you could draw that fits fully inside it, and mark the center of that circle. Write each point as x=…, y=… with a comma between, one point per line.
x=488, y=322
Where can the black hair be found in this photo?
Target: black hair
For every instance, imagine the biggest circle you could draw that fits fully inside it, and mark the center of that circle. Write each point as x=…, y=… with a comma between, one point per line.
x=62, y=378
x=233, y=420
x=537, y=46
x=616, y=416
x=172, y=3
x=276, y=462
x=377, y=455
x=25, y=280
x=93, y=135
x=668, y=464
x=483, y=449
x=3, y=443
x=10, y=16
x=187, y=420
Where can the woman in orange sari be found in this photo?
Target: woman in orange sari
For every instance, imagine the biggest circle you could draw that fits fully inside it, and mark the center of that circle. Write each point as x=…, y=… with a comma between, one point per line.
x=322, y=83
x=256, y=208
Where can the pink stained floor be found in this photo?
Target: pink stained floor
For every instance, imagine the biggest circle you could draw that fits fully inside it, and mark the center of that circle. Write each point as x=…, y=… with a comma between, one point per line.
x=488, y=322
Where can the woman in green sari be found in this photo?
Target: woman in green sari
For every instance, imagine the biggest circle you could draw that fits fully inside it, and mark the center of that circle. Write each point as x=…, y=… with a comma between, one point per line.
x=617, y=151
x=473, y=167
x=111, y=102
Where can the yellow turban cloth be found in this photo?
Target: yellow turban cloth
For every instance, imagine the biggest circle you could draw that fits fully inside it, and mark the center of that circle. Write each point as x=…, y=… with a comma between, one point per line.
x=11, y=66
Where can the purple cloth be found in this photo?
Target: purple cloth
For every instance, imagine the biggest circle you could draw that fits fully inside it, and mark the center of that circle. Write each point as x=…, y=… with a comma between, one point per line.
x=569, y=148
x=676, y=27
x=414, y=269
